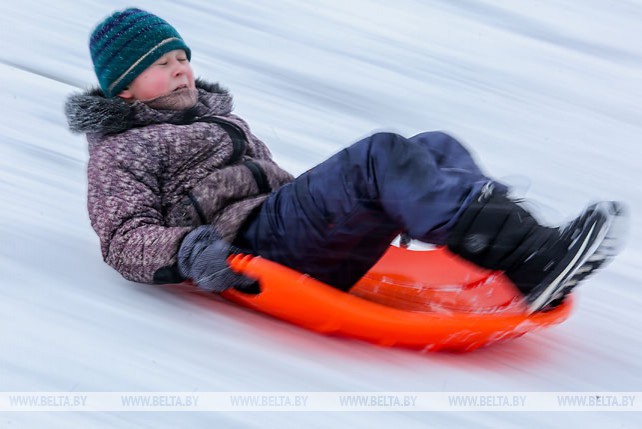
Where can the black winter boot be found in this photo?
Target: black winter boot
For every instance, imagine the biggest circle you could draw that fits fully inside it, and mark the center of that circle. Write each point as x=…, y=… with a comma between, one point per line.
x=544, y=263
x=591, y=240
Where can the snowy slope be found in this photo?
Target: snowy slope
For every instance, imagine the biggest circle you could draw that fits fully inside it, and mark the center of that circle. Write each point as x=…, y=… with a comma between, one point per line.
x=546, y=94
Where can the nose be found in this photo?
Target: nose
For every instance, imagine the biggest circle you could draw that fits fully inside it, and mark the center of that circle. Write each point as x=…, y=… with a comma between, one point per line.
x=179, y=67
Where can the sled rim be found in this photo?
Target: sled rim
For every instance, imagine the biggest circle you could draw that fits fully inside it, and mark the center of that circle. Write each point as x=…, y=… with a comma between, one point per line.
x=299, y=299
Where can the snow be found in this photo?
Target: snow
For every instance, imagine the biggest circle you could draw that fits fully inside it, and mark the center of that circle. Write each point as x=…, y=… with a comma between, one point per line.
x=546, y=94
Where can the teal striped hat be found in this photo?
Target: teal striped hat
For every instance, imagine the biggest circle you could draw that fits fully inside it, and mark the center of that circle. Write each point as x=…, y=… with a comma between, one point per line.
x=126, y=43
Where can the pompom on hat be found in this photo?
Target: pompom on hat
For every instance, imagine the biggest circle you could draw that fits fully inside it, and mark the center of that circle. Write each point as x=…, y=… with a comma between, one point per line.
x=126, y=43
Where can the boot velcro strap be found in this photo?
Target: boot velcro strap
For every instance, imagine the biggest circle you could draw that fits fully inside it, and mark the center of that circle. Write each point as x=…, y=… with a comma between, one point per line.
x=490, y=231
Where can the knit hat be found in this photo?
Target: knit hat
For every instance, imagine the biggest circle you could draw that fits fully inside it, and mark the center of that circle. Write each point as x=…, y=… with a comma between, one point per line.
x=126, y=43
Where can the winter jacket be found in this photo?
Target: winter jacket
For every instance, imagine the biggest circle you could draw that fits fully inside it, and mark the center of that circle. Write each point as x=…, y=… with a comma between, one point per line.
x=154, y=175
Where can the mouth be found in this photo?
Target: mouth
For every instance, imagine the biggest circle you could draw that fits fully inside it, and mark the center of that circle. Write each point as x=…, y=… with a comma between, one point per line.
x=178, y=88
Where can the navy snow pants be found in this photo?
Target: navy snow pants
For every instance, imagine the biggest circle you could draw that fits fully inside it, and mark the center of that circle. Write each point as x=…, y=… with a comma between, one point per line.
x=336, y=220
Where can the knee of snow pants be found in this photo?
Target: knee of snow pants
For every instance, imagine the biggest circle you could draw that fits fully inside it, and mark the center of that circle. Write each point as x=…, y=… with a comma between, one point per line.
x=337, y=219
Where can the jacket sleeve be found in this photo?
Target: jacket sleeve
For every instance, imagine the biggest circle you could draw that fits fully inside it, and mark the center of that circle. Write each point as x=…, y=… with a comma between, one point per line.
x=125, y=211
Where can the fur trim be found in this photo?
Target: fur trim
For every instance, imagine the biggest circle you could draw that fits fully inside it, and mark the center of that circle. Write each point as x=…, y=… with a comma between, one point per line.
x=211, y=87
x=92, y=112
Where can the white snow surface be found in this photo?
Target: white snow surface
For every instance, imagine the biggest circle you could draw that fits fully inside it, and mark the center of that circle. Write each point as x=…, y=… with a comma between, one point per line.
x=546, y=94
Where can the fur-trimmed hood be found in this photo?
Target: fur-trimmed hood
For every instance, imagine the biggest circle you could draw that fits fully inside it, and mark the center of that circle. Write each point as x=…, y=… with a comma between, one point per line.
x=92, y=112
x=153, y=175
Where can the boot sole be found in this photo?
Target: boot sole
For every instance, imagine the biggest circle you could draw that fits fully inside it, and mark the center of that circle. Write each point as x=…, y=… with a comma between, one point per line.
x=597, y=244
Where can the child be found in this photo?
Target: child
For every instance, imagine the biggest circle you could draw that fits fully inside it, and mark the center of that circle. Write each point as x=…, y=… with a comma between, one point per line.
x=177, y=182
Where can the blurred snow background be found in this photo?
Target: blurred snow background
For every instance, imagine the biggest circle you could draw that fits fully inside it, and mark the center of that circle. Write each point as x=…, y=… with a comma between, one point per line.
x=546, y=94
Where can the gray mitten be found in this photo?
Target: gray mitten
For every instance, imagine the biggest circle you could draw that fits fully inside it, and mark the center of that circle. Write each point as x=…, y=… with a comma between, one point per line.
x=202, y=257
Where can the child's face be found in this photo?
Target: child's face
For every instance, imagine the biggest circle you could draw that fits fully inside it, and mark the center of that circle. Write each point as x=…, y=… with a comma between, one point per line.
x=170, y=72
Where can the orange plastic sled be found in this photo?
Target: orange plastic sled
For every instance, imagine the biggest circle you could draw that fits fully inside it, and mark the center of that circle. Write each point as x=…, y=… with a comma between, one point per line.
x=429, y=300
